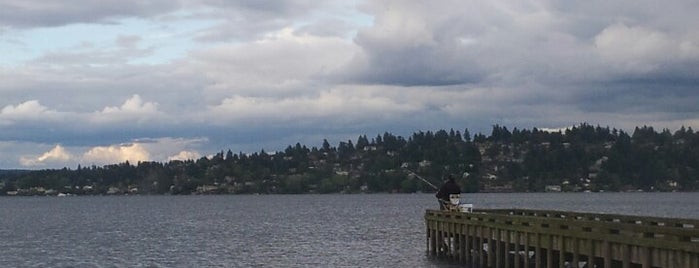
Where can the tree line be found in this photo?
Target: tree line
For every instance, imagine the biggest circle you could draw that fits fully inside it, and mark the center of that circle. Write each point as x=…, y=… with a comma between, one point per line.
x=579, y=158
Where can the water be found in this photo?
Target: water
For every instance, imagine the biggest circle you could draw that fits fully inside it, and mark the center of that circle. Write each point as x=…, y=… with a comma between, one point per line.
x=379, y=230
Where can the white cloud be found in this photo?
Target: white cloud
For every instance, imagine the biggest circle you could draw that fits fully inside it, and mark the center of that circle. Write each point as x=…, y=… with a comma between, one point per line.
x=28, y=110
x=57, y=155
x=133, y=105
x=281, y=63
x=353, y=103
x=185, y=155
x=161, y=149
x=113, y=154
x=35, y=155
x=133, y=109
x=32, y=108
x=635, y=48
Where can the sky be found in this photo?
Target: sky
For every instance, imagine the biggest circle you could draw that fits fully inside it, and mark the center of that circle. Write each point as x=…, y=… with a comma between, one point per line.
x=103, y=82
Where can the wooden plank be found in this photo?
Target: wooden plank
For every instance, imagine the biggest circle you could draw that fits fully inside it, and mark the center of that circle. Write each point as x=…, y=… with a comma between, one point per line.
x=640, y=220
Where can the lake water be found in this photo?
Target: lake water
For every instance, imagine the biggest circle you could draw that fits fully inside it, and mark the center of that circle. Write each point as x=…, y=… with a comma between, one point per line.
x=377, y=230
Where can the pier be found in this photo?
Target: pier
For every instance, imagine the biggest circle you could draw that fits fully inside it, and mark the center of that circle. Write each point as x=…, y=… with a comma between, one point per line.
x=537, y=238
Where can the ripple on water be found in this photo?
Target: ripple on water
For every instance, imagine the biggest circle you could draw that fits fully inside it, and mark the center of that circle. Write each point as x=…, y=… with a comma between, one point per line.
x=260, y=231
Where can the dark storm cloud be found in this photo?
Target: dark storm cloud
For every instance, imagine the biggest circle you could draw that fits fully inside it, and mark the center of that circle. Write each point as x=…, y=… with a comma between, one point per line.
x=576, y=58
x=243, y=18
x=33, y=13
x=265, y=8
x=251, y=19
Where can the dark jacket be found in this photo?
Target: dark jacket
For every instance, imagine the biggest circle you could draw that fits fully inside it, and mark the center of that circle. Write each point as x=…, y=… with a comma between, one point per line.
x=450, y=187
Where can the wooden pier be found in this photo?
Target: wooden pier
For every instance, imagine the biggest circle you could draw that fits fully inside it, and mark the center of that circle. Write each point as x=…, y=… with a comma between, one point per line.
x=534, y=238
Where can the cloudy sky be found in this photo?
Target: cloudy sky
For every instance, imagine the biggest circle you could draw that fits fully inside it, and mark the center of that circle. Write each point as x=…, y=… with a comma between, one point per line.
x=99, y=82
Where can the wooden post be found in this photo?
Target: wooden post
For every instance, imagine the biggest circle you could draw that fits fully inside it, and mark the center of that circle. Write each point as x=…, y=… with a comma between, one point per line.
x=433, y=227
x=491, y=247
x=481, y=261
x=662, y=258
x=440, y=238
x=474, y=241
x=590, y=253
x=561, y=252
x=606, y=254
x=537, y=251
x=506, y=248
x=467, y=246
x=674, y=260
x=427, y=236
x=647, y=259
x=450, y=240
x=498, y=253
x=462, y=239
x=516, y=258
x=685, y=259
x=576, y=252
x=549, y=252
x=435, y=238
x=526, y=249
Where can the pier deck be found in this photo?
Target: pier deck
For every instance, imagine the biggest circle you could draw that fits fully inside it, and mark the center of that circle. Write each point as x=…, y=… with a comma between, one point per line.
x=536, y=238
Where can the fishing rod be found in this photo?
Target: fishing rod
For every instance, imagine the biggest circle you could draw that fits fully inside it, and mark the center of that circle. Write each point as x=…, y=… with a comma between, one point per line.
x=422, y=179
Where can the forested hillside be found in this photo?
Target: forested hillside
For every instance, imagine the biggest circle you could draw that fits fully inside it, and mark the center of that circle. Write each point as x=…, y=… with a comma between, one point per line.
x=581, y=158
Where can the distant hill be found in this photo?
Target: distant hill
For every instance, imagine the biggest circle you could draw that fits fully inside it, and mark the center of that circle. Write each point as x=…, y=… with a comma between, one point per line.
x=578, y=159
x=11, y=172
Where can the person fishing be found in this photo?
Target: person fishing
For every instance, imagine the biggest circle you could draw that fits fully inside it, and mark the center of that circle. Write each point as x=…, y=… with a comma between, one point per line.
x=448, y=188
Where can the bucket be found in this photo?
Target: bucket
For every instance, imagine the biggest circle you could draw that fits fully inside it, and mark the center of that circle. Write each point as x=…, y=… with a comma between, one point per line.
x=466, y=208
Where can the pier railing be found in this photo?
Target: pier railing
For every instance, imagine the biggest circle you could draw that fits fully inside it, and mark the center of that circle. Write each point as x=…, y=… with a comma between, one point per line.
x=538, y=238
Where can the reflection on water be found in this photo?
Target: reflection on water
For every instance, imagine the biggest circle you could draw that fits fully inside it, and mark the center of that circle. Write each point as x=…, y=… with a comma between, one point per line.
x=379, y=230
